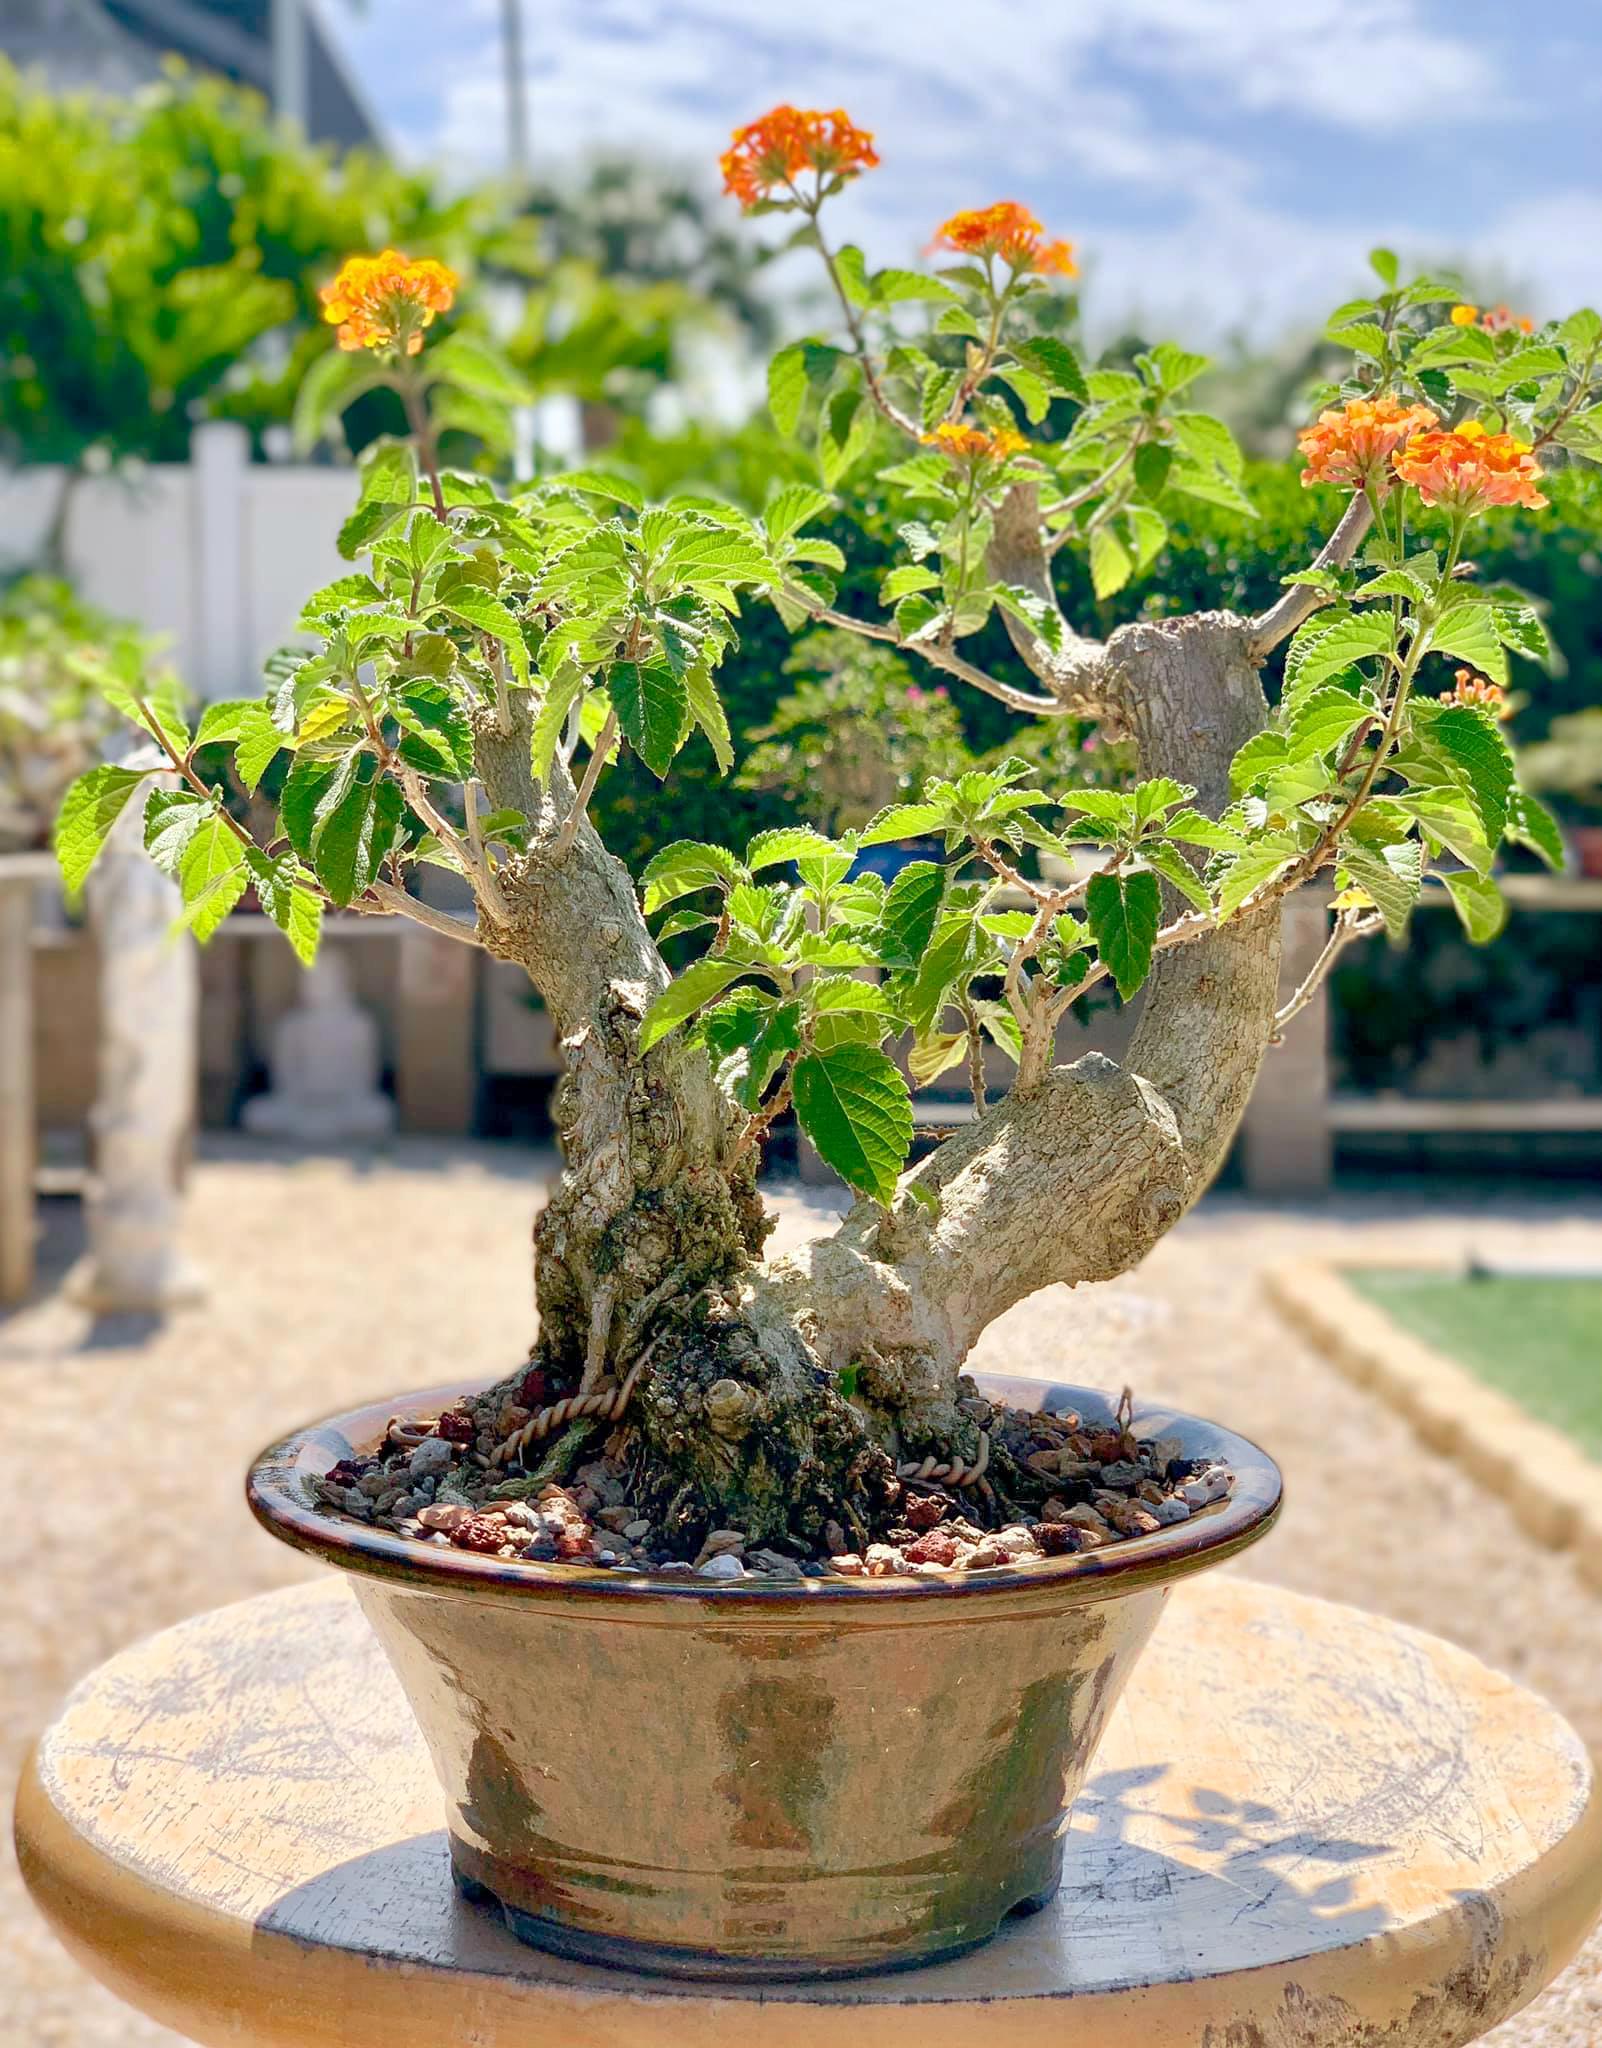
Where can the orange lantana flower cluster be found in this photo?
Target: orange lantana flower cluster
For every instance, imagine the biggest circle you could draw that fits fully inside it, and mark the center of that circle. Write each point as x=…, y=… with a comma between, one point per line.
x=1352, y=444
x=1467, y=468
x=386, y=301
x=770, y=154
x=964, y=443
x=1497, y=321
x=1469, y=688
x=1011, y=232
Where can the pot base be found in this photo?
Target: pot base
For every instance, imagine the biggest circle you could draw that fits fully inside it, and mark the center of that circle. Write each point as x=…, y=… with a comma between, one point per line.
x=614, y=1952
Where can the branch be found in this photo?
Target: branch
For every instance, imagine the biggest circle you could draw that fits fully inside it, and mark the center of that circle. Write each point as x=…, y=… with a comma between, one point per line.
x=604, y=740
x=859, y=341
x=1349, y=925
x=1077, y=671
x=935, y=655
x=475, y=864
x=1301, y=600
x=395, y=902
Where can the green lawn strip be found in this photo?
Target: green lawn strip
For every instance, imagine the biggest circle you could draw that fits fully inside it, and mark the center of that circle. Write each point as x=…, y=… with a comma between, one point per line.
x=1537, y=1340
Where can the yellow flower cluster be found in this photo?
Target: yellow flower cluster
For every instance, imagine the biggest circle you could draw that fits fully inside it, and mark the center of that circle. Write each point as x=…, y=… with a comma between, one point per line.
x=386, y=301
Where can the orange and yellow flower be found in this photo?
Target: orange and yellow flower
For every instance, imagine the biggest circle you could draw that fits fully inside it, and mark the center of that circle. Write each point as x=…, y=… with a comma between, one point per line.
x=1478, y=690
x=1500, y=318
x=1467, y=468
x=386, y=301
x=1352, y=445
x=770, y=154
x=964, y=443
x=1011, y=232
x=1464, y=316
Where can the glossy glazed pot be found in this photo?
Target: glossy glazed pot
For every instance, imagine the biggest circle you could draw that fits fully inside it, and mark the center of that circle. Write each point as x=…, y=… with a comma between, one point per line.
x=760, y=1780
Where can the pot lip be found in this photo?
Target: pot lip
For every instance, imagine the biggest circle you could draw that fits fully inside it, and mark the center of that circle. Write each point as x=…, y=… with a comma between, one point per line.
x=277, y=1498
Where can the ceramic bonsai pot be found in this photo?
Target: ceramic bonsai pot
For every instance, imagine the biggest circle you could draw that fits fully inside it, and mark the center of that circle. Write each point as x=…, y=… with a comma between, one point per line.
x=760, y=1780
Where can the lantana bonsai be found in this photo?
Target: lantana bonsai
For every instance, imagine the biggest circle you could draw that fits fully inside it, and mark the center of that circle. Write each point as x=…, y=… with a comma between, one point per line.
x=469, y=683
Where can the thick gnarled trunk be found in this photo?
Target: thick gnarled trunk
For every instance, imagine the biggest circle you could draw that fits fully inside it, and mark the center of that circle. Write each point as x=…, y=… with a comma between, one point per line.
x=650, y=1248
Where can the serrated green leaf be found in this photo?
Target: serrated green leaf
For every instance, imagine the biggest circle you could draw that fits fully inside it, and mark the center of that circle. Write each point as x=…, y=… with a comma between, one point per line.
x=353, y=833
x=211, y=876
x=687, y=865
x=1322, y=721
x=787, y=387
x=902, y=821
x=1194, y=828
x=1257, y=864
x=653, y=710
x=284, y=896
x=437, y=734
x=486, y=614
x=1338, y=645
x=470, y=361
x=853, y=1104
x=903, y=582
x=791, y=507
x=1531, y=824
x=1172, y=865
x=1124, y=911
x=172, y=818
x=706, y=708
x=686, y=994
x=88, y=811
x=1467, y=629
x=1057, y=363
x=1479, y=904
x=1389, y=876
x=934, y=1053
x=334, y=381
x=1208, y=440
x=1520, y=628
x=1111, y=564
x=1478, y=754
x=911, y=905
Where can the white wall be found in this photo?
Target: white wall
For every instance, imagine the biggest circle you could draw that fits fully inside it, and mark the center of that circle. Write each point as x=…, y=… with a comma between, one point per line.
x=216, y=554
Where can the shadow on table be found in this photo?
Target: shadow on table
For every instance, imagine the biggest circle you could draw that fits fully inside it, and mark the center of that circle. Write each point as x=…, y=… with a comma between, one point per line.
x=1247, y=1890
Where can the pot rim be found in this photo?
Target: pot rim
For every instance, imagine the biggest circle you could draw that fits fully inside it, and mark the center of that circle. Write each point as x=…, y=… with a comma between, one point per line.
x=275, y=1492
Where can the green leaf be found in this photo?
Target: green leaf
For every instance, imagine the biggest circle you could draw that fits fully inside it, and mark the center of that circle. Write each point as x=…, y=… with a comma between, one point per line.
x=1479, y=755
x=486, y=614
x=1208, y=440
x=787, y=387
x=1385, y=266
x=90, y=808
x=1033, y=390
x=334, y=381
x=706, y=708
x=853, y=1104
x=1451, y=820
x=470, y=361
x=787, y=842
x=1519, y=627
x=1363, y=337
x=1111, y=564
x=601, y=483
x=1195, y=828
x=1172, y=865
x=1261, y=862
x=932, y=1054
x=172, y=817
x=1479, y=905
x=1124, y=912
x=1468, y=630
x=561, y=693
x=790, y=508
x=829, y=993
x=911, y=905
x=283, y=895
x=1175, y=367
x=903, y=582
x=1531, y=824
x=902, y=821
x=653, y=709
x=685, y=866
x=1057, y=363
x=1336, y=646
x=353, y=830
x=1260, y=756
x=682, y=997
x=438, y=736
x=1324, y=720
x=211, y=877
x=1389, y=876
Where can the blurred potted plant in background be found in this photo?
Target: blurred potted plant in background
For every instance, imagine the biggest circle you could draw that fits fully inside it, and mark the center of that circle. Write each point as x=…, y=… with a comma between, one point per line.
x=54, y=721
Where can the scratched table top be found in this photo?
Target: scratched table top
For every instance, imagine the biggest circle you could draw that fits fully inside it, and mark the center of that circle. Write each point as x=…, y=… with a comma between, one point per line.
x=1306, y=1825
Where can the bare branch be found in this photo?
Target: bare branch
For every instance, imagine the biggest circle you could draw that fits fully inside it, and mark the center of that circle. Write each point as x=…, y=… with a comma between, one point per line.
x=592, y=774
x=1349, y=925
x=395, y=902
x=474, y=862
x=1301, y=600
x=1077, y=670
x=936, y=656
x=859, y=342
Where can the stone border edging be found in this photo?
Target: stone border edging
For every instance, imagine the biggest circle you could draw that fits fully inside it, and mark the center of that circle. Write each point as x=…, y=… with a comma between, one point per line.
x=1553, y=1491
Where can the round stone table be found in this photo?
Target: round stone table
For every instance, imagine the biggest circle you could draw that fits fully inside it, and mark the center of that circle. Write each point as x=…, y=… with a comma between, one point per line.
x=1305, y=1826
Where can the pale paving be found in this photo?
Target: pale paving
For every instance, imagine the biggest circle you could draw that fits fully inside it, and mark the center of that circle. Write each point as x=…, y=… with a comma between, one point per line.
x=125, y=1447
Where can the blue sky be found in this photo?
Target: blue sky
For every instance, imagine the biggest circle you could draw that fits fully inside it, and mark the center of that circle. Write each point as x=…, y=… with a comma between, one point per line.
x=1220, y=163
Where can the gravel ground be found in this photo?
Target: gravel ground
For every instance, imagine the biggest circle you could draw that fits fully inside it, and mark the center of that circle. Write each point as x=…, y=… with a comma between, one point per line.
x=106, y=1416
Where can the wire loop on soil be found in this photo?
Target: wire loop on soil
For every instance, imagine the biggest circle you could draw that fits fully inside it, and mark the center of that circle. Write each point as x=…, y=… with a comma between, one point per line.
x=951, y=1471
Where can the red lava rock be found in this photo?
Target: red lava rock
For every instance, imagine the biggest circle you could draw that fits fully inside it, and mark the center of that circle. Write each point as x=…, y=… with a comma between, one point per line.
x=1059, y=1539
x=923, y=1510
x=455, y=1427
x=535, y=1391
x=479, y=1533
x=1106, y=1446
x=1130, y=1520
x=348, y=1471
x=1047, y=1463
x=934, y=1548
x=575, y=1545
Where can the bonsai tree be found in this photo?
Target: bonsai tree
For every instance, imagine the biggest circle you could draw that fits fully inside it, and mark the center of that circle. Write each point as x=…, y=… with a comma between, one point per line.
x=470, y=681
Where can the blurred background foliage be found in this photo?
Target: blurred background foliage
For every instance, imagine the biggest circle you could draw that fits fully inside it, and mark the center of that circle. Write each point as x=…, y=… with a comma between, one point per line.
x=159, y=264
